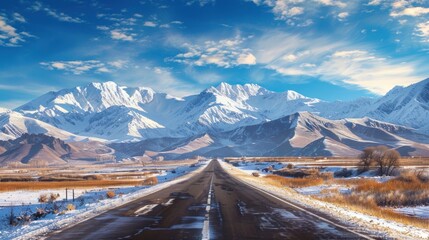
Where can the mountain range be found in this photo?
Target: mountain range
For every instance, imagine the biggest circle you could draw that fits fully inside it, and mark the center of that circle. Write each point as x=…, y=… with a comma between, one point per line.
x=227, y=119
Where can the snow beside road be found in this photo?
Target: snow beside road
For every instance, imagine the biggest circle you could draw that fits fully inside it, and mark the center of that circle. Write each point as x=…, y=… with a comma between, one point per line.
x=380, y=227
x=418, y=211
x=94, y=203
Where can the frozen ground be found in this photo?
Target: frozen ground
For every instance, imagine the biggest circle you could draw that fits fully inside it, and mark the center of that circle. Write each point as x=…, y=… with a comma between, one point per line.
x=89, y=203
x=261, y=167
x=381, y=227
x=318, y=190
x=418, y=211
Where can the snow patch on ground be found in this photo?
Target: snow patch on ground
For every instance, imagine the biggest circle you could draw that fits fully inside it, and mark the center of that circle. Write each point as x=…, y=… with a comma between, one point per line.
x=418, y=211
x=88, y=204
x=381, y=227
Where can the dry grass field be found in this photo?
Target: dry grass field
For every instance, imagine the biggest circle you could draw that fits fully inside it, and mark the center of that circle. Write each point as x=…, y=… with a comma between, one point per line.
x=370, y=196
x=13, y=186
x=330, y=161
x=23, y=177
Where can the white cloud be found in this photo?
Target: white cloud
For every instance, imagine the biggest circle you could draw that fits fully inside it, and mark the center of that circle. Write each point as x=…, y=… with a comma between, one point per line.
x=9, y=35
x=224, y=53
x=200, y=2
x=38, y=6
x=80, y=67
x=246, y=59
x=18, y=18
x=423, y=30
x=300, y=12
x=374, y=2
x=150, y=24
x=411, y=11
x=119, y=64
x=332, y=3
x=363, y=69
x=159, y=78
x=400, y=3
x=336, y=62
x=119, y=34
x=343, y=15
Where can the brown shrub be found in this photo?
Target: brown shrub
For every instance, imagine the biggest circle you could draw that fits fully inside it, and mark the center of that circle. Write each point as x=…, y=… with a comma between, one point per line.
x=150, y=181
x=110, y=194
x=255, y=174
x=70, y=207
x=53, y=197
x=295, y=182
x=43, y=198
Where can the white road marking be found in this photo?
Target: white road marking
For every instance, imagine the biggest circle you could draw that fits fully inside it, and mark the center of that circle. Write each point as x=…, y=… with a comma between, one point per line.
x=169, y=202
x=145, y=209
x=206, y=226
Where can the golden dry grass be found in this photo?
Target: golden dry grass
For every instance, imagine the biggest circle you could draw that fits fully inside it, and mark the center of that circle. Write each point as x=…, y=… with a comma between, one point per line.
x=369, y=207
x=294, y=182
x=13, y=186
x=369, y=196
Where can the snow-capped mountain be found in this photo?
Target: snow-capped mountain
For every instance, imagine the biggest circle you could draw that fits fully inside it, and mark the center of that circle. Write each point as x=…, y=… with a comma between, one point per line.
x=408, y=106
x=118, y=113
x=113, y=112
x=299, y=134
x=227, y=120
x=14, y=124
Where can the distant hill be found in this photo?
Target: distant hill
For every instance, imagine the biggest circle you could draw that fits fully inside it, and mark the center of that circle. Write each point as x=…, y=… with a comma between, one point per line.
x=299, y=134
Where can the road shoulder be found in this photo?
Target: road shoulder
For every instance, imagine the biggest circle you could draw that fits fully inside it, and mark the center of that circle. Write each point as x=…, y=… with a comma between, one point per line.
x=380, y=227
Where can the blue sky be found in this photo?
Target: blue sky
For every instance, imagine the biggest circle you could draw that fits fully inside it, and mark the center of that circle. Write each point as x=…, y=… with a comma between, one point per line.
x=329, y=49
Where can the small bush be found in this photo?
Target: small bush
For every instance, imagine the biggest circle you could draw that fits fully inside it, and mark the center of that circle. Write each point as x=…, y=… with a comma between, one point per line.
x=70, y=207
x=150, y=181
x=289, y=166
x=255, y=174
x=53, y=197
x=43, y=198
x=295, y=182
x=110, y=194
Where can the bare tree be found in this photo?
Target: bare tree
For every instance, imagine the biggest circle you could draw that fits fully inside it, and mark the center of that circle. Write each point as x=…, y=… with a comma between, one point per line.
x=390, y=162
x=366, y=159
x=384, y=158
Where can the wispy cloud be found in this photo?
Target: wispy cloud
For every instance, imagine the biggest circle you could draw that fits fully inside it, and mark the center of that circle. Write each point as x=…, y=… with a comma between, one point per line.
x=223, y=53
x=332, y=61
x=120, y=34
x=200, y=2
x=38, y=6
x=18, y=17
x=80, y=67
x=9, y=35
x=411, y=11
x=422, y=30
x=150, y=24
x=300, y=13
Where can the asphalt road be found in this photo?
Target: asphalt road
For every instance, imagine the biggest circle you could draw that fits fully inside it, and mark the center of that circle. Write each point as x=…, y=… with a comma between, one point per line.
x=210, y=205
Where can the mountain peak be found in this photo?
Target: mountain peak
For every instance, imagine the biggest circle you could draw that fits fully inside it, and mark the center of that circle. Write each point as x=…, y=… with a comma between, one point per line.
x=292, y=95
x=237, y=91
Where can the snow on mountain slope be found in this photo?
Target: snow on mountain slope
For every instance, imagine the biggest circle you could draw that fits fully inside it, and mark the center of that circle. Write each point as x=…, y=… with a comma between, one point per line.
x=114, y=112
x=299, y=134
x=119, y=113
x=407, y=106
x=13, y=125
